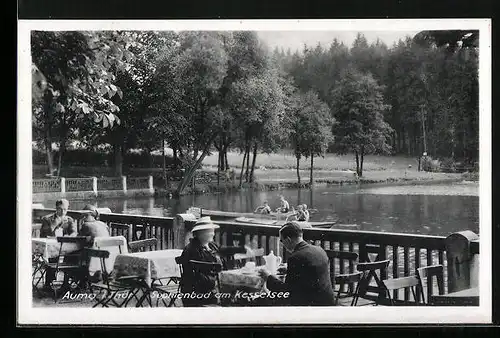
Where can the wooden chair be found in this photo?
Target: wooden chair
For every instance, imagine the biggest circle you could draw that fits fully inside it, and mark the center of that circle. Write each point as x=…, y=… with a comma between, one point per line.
x=207, y=267
x=349, y=279
x=130, y=284
x=392, y=284
x=370, y=270
x=427, y=273
x=162, y=289
x=35, y=230
x=143, y=244
x=70, y=264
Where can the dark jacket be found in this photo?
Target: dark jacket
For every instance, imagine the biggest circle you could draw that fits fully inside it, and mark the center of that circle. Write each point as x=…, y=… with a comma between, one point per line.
x=307, y=278
x=93, y=228
x=48, y=228
x=202, y=281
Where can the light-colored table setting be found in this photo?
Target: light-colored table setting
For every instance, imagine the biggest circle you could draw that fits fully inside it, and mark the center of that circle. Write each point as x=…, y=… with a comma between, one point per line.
x=149, y=265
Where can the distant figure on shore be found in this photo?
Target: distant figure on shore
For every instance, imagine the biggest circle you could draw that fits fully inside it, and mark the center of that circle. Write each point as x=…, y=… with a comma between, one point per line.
x=284, y=205
x=263, y=209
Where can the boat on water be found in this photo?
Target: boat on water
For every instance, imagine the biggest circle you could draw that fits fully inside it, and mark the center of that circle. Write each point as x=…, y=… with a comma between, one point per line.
x=273, y=219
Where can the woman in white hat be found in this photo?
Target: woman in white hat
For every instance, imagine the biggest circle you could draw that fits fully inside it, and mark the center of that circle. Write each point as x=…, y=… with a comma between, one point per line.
x=202, y=248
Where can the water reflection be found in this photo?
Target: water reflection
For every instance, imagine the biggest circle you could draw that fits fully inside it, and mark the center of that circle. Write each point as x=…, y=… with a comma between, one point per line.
x=416, y=213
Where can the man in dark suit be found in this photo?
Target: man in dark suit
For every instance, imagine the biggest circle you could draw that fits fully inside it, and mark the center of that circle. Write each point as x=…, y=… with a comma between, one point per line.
x=308, y=273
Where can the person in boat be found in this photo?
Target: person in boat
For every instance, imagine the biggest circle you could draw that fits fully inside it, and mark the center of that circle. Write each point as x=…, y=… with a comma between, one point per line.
x=263, y=209
x=202, y=248
x=306, y=212
x=308, y=271
x=284, y=205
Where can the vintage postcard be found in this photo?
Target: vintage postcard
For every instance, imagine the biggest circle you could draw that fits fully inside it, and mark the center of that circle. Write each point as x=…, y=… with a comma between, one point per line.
x=254, y=172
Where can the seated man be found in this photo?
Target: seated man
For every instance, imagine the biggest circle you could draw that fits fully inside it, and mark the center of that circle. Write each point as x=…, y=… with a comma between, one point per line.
x=91, y=225
x=58, y=223
x=308, y=271
x=54, y=225
x=284, y=205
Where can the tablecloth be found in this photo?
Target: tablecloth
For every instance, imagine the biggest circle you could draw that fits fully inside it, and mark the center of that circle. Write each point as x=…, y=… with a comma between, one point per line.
x=238, y=280
x=150, y=265
x=49, y=248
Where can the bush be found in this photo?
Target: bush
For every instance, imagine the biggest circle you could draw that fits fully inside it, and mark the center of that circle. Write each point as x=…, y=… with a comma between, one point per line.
x=428, y=164
x=448, y=165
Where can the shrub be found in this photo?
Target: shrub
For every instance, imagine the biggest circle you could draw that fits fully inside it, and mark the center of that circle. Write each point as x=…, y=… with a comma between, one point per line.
x=448, y=165
x=428, y=164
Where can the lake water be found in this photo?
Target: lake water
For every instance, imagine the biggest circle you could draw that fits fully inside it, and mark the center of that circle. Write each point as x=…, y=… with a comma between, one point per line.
x=437, y=209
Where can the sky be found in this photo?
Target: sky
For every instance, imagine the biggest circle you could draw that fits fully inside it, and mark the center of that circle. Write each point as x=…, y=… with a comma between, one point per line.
x=296, y=39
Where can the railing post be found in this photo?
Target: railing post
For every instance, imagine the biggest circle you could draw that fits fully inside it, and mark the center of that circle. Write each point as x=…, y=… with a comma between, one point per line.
x=94, y=185
x=474, y=270
x=63, y=185
x=124, y=184
x=150, y=185
x=186, y=223
x=459, y=259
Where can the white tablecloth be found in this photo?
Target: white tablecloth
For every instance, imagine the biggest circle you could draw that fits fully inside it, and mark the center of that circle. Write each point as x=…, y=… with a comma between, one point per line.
x=49, y=248
x=149, y=265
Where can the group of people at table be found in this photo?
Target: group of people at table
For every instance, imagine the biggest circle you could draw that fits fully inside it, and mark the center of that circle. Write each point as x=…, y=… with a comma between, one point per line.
x=307, y=281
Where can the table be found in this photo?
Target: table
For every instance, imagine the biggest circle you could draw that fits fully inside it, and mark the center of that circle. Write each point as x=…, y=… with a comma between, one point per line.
x=149, y=265
x=48, y=248
x=467, y=297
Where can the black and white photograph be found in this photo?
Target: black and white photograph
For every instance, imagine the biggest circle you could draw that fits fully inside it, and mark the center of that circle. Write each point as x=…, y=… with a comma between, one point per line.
x=223, y=171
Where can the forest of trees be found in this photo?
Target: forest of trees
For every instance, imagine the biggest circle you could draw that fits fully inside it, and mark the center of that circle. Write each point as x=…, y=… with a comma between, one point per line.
x=199, y=92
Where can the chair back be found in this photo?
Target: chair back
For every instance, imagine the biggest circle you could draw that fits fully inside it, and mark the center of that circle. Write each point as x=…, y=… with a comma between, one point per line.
x=35, y=230
x=206, y=267
x=102, y=255
x=113, y=242
x=373, y=266
x=427, y=273
x=142, y=245
x=396, y=284
x=343, y=257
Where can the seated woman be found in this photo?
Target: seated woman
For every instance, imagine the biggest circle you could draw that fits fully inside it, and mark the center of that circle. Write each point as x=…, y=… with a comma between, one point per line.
x=301, y=215
x=203, y=248
x=263, y=209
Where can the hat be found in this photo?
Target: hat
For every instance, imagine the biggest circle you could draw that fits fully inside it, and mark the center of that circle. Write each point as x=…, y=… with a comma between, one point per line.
x=204, y=223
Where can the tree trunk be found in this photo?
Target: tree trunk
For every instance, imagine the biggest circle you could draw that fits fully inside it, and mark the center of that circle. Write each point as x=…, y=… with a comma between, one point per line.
x=361, y=164
x=225, y=158
x=218, y=167
x=255, y=147
x=298, y=172
x=247, y=171
x=62, y=149
x=242, y=168
x=164, y=163
x=191, y=172
x=117, y=149
x=357, y=163
x=311, y=173
x=48, y=150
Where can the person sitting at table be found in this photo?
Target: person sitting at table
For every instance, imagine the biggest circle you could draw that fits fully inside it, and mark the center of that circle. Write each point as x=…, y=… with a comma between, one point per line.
x=91, y=225
x=263, y=209
x=58, y=223
x=308, y=271
x=53, y=225
x=284, y=205
x=306, y=212
x=202, y=248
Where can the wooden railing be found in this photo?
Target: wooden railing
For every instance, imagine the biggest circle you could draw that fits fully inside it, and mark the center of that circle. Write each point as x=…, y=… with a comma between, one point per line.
x=80, y=184
x=406, y=252
x=46, y=185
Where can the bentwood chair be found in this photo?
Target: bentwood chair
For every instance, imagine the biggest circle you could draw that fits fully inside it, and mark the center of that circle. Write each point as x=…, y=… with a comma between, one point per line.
x=129, y=286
